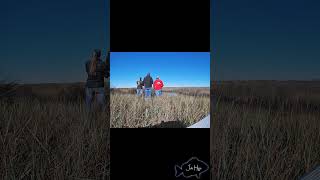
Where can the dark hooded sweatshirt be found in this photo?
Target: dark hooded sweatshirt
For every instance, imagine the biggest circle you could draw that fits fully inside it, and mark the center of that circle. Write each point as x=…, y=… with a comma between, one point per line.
x=97, y=80
x=147, y=81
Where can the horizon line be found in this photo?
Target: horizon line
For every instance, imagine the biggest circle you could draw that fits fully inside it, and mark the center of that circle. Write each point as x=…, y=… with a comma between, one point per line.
x=167, y=87
x=53, y=82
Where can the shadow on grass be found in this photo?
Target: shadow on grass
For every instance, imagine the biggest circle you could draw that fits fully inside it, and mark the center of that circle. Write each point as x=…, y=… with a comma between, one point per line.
x=169, y=124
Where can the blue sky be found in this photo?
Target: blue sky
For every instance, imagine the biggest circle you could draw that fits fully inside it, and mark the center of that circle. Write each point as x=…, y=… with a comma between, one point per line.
x=267, y=40
x=50, y=40
x=176, y=69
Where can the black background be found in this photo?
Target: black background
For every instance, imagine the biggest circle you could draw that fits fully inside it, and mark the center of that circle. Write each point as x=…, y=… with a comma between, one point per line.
x=153, y=153
x=158, y=26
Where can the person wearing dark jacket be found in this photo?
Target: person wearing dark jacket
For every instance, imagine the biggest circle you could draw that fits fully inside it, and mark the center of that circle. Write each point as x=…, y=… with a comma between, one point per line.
x=96, y=70
x=148, y=82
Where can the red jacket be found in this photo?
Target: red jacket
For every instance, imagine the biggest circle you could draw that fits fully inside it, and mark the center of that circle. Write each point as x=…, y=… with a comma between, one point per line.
x=158, y=84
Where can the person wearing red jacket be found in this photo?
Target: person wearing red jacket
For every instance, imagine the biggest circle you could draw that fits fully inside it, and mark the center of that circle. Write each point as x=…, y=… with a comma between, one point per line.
x=158, y=85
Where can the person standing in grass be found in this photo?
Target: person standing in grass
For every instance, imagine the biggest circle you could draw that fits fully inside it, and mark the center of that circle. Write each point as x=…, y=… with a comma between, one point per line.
x=96, y=70
x=139, y=87
x=148, y=82
x=158, y=85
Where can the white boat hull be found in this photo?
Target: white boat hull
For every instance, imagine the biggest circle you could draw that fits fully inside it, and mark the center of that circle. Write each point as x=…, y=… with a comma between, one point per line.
x=204, y=123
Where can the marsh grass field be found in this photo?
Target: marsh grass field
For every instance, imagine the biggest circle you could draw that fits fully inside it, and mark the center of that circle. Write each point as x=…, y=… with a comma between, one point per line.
x=265, y=129
x=261, y=129
x=46, y=133
x=186, y=107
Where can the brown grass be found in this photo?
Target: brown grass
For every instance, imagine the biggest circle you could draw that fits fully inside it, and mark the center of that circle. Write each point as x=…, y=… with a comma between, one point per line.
x=53, y=137
x=262, y=131
x=128, y=110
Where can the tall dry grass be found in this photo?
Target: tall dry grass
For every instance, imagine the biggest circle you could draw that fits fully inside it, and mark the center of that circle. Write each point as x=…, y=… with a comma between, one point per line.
x=256, y=137
x=52, y=139
x=128, y=110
